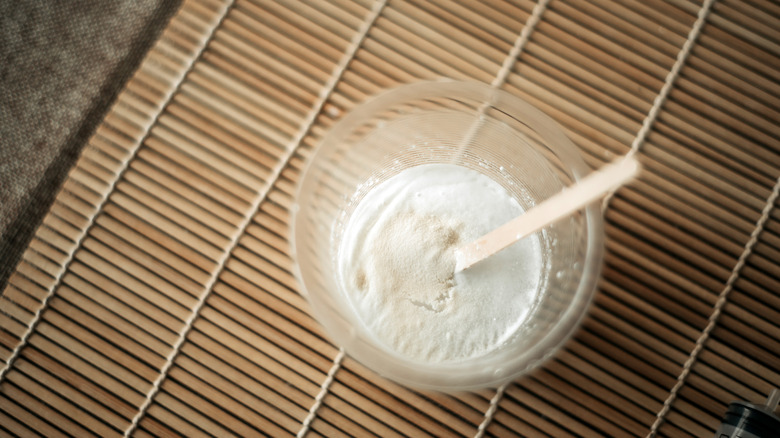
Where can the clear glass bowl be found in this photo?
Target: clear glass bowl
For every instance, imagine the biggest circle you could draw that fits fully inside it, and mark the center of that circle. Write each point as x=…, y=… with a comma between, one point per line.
x=471, y=125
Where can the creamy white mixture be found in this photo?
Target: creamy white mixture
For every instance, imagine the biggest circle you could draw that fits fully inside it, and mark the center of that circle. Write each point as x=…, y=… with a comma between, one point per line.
x=396, y=263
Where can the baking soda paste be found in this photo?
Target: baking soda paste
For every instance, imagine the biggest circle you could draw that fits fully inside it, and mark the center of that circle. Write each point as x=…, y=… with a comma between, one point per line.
x=396, y=262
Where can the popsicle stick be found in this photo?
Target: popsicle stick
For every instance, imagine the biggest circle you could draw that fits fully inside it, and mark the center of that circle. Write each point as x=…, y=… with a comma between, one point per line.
x=569, y=200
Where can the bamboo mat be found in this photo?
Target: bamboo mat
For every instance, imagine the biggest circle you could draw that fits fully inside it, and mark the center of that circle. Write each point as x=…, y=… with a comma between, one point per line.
x=157, y=299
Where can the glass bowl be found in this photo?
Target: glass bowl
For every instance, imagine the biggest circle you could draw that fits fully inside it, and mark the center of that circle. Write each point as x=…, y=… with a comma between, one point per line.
x=471, y=125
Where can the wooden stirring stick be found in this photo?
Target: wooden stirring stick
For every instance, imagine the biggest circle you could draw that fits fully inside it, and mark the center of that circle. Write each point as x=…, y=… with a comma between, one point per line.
x=569, y=200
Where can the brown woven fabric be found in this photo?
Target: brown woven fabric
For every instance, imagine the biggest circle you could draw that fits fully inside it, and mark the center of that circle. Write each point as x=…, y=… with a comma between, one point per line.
x=61, y=66
x=157, y=297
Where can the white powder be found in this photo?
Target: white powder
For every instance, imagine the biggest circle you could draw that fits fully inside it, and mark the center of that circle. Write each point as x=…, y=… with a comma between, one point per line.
x=396, y=264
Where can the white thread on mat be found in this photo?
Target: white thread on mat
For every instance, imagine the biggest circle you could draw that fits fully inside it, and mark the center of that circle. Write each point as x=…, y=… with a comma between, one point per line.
x=520, y=43
x=91, y=223
x=323, y=97
x=671, y=78
x=321, y=395
x=716, y=311
x=491, y=411
x=503, y=72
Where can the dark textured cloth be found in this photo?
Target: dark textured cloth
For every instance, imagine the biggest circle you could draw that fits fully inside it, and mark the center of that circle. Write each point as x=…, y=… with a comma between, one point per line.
x=62, y=63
